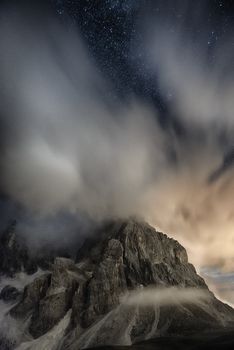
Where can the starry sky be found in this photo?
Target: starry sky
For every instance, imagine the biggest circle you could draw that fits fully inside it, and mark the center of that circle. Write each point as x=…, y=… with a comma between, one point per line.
x=111, y=30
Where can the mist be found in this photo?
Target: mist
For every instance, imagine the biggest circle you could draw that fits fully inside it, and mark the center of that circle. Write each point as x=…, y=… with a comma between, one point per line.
x=165, y=296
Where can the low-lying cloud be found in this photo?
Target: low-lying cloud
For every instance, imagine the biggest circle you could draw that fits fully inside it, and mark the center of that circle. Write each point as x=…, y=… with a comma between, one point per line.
x=165, y=296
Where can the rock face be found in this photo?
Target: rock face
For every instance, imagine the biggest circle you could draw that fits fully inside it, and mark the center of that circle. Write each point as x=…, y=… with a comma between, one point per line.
x=123, y=256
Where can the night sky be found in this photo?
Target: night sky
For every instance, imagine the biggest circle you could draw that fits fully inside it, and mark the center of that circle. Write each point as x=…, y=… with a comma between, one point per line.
x=111, y=31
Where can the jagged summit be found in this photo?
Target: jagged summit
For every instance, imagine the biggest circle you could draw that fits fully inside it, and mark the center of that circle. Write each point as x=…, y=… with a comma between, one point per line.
x=148, y=256
x=79, y=304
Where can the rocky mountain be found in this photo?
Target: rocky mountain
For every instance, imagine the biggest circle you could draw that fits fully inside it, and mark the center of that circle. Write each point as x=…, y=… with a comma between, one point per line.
x=128, y=284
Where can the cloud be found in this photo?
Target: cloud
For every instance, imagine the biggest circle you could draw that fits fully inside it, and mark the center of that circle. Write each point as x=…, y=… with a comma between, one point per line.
x=194, y=66
x=164, y=296
x=200, y=216
x=67, y=147
x=199, y=79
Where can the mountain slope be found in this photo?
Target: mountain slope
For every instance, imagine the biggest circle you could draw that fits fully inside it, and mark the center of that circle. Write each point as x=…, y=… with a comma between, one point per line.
x=130, y=283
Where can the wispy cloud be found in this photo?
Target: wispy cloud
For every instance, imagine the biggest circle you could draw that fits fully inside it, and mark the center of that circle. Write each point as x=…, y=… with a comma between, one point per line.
x=152, y=296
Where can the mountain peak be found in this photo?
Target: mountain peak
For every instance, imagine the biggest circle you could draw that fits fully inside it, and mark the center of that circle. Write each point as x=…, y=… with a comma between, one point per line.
x=121, y=258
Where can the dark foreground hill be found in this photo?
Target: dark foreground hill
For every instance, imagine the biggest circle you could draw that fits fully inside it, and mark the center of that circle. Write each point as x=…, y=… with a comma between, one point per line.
x=213, y=340
x=129, y=284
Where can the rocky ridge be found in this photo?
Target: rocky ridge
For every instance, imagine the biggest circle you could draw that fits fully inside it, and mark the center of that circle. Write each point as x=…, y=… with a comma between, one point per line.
x=78, y=304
